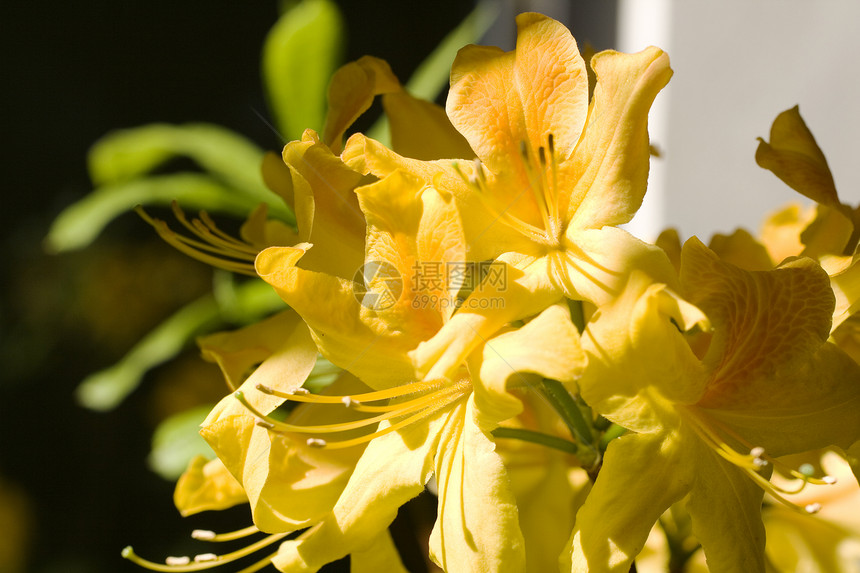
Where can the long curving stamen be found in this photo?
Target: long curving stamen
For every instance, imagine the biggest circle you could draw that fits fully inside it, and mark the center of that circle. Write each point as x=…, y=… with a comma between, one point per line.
x=754, y=461
x=394, y=392
x=398, y=410
x=436, y=395
x=216, y=250
x=207, y=560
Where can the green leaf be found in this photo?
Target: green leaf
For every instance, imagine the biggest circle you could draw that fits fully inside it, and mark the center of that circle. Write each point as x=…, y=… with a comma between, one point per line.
x=300, y=54
x=104, y=390
x=176, y=441
x=127, y=154
x=432, y=75
x=80, y=223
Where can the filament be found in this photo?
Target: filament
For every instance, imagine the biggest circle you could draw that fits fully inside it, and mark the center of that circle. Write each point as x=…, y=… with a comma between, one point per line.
x=209, y=561
x=214, y=248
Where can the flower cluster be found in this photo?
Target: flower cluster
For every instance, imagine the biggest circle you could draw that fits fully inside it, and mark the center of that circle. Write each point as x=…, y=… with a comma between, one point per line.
x=561, y=386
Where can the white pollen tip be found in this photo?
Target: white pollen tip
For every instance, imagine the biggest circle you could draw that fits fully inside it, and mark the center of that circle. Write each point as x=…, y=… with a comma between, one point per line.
x=812, y=508
x=176, y=561
x=316, y=443
x=349, y=402
x=203, y=534
x=759, y=463
x=300, y=391
x=264, y=424
x=205, y=557
x=757, y=452
x=264, y=389
x=829, y=480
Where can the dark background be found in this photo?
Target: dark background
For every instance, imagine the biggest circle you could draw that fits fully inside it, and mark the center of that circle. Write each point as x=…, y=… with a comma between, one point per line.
x=73, y=71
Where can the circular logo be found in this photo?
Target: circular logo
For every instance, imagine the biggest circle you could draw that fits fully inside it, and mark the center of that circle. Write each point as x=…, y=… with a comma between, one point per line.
x=377, y=285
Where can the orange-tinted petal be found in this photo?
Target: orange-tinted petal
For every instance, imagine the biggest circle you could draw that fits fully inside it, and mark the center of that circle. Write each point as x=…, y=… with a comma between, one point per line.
x=611, y=161
x=793, y=156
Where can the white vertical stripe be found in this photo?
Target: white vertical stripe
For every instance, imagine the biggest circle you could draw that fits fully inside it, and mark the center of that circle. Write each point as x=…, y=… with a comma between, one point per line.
x=643, y=23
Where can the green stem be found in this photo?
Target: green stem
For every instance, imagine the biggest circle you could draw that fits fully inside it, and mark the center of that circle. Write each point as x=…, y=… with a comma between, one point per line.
x=567, y=407
x=569, y=411
x=537, y=438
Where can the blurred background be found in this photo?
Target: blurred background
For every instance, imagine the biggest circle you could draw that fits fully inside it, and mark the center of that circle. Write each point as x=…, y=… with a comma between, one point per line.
x=75, y=486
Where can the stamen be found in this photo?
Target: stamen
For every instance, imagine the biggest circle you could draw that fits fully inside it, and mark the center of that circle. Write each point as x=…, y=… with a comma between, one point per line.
x=316, y=443
x=208, y=560
x=231, y=255
x=206, y=535
x=754, y=461
x=393, y=411
x=184, y=560
x=478, y=183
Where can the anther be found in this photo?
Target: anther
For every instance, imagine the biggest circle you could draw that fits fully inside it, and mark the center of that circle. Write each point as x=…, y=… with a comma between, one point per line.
x=302, y=391
x=757, y=452
x=203, y=534
x=264, y=424
x=316, y=443
x=205, y=557
x=542, y=156
x=264, y=389
x=176, y=561
x=550, y=144
x=349, y=402
x=812, y=508
x=829, y=480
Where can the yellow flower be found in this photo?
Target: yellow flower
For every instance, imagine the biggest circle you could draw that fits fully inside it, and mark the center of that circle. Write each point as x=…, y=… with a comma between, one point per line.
x=436, y=428
x=556, y=174
x=710, y=416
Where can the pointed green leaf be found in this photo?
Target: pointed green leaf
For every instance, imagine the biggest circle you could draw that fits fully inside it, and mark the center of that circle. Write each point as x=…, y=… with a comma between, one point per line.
x=81, y=222
x=300, y=54
x=105, y=389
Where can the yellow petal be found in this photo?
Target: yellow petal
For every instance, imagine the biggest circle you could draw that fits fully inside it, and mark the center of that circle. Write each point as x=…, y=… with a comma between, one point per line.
x=421, y=130
x=642, y=475
x=262, y=232
x=548, y=345
x=477, y=526
x=829, y=233
x=765, y=324
x=290, y=485
x=725, y=505
x=634, y=342
x=380, y=555
x=348, y=334
x=350, y=93
x=793, y=156
x=509, y=293
x=236, y=352
x=807, y=405
x=670, y=242
x=845, y=279
x=207, y=485
x=596, y=264
x=393, y=469
x=742, y=250
x=781, y=231
x=326, y=208
x=610, y=163
x=501, y=101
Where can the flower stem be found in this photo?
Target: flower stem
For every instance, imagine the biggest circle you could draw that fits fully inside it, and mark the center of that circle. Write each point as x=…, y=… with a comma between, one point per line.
x=569, y=411
x=537, y=438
